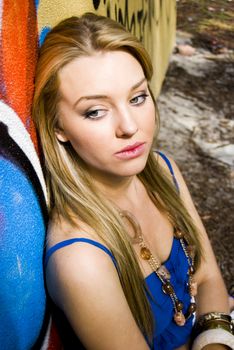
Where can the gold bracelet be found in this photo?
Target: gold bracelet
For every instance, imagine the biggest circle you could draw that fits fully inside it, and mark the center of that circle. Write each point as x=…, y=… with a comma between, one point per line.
x=214, y=320
x=212, y=328
x=214, y=316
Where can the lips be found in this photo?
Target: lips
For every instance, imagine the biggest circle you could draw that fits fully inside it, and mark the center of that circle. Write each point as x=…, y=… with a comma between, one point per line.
x=130, y=147
x=131, y=151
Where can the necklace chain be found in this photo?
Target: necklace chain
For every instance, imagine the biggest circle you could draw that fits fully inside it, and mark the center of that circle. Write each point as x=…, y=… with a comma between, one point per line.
x=162, y=272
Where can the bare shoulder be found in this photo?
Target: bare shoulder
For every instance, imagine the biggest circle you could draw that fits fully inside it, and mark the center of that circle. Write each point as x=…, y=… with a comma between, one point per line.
x=60, y=229
x=72, y=254
x=76, y=259
x=77, y=262
x=83, y=281
x=168, y=164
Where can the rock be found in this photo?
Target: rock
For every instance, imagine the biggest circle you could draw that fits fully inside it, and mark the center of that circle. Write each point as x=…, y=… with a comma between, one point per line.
x=219, y=151
x=186, y=50
x=196, y=65
x=211, y=9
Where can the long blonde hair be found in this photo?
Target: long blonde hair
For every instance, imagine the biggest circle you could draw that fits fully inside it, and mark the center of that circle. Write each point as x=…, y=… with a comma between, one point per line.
x=71, y=190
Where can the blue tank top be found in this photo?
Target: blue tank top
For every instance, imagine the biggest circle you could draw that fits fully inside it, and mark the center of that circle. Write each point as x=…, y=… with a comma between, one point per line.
x=167, y=335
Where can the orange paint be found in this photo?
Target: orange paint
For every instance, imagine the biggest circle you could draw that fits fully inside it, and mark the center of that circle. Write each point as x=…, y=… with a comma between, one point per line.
x=19, y=55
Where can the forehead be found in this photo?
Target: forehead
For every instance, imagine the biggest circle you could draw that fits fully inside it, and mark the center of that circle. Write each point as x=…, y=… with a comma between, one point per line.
x=103, y=72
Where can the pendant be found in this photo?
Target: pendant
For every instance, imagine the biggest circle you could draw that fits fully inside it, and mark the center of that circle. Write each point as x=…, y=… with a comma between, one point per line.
x=145, y=253
x=192, y=288
x=178, y=233
x=179, y=305
x=163, y=272
x=192, y=308
x=191, y=251
x=179, y=318
x=137, y=239
x=191, y=270
x=167, y=288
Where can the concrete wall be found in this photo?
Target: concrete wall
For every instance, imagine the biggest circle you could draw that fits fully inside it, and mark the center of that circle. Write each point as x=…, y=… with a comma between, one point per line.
x=24, y=317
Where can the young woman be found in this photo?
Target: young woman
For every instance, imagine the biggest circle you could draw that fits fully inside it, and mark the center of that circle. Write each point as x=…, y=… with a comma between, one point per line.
x=128, y=261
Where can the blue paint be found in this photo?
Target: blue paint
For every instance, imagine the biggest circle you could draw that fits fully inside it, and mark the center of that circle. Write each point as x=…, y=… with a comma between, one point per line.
x=36, y=2
x=44, y=32
x=22, y=233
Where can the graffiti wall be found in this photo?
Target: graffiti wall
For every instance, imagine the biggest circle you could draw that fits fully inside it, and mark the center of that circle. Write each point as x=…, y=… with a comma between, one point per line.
x=24, y=316
x=152, y=21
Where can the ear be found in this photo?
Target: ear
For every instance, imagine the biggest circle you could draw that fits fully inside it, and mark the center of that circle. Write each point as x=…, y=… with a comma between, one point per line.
x=61, y=135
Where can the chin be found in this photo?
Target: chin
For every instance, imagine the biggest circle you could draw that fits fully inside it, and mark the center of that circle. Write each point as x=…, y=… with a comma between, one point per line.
x=132, y=170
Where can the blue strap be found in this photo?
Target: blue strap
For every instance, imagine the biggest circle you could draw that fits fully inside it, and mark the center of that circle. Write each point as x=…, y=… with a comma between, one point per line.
x=167, y=161
x=67, y=242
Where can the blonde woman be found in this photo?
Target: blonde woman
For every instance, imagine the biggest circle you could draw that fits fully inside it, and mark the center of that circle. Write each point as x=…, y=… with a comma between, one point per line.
x=128, y=261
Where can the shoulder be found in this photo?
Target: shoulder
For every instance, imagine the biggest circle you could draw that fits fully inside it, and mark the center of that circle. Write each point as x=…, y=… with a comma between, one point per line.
x=84, y=283
x=166, y=161
x=170, y=169
x=79, y=258
x=77, y=263
x=60, y=229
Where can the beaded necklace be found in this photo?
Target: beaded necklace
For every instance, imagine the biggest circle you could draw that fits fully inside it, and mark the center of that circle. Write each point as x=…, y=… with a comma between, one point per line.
x=162, y=272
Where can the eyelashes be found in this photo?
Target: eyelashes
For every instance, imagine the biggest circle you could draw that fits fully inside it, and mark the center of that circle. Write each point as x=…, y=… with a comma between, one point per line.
x=139, y=99
x=95, y=113
x=98, y=113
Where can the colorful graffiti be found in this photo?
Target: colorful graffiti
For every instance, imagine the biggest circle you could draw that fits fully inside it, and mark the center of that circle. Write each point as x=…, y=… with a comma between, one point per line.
x=24, y=315
x=22, y=189
x=153, y=22
x=18, y=52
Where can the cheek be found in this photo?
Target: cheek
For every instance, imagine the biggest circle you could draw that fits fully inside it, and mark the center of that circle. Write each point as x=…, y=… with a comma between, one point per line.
x=98, y=134
x=151, y=120
x=88, y=141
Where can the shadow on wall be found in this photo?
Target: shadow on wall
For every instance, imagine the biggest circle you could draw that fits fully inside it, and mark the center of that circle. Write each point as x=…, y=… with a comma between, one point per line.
x=24, y=317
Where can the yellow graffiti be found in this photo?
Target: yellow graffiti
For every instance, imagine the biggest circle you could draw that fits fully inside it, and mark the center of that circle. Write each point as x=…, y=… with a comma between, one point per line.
x=152, y=21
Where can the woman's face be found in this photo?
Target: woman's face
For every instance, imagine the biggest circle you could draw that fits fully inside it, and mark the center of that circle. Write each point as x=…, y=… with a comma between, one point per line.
x=107, y=113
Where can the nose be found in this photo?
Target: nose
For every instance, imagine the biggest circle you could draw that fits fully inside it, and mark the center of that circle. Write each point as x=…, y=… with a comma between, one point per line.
x=126, y=123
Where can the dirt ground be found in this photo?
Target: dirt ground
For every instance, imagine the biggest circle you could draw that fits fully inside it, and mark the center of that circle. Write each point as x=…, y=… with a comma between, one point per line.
x=197, y=128
x=210, y=21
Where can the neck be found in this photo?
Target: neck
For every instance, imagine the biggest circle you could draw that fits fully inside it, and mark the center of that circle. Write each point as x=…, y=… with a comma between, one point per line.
x=124, y=191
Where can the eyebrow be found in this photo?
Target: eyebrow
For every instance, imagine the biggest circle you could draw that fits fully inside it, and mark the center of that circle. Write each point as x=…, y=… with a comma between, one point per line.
x=96, y=97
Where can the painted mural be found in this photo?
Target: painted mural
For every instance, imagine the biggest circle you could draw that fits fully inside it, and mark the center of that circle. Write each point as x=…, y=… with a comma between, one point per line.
x=152, y=21
x=24, y=314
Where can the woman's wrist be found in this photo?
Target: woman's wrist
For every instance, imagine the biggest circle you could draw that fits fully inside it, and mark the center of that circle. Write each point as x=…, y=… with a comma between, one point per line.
x=213, y=331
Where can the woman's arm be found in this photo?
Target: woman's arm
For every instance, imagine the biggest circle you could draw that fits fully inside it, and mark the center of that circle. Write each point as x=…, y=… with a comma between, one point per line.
x=212, y=293
x=84, y=283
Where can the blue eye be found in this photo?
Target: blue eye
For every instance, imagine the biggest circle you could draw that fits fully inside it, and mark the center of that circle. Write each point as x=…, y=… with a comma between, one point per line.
x=138, y=100
x=95, y=114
